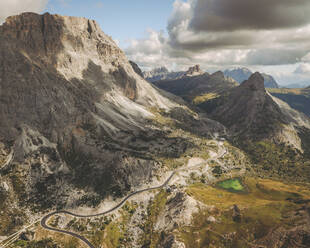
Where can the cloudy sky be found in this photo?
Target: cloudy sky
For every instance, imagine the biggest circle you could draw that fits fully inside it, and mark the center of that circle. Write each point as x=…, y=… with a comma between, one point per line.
x=271, y=36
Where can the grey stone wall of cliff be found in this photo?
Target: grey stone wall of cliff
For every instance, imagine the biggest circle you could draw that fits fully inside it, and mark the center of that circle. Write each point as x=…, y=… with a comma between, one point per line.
x=63, y=81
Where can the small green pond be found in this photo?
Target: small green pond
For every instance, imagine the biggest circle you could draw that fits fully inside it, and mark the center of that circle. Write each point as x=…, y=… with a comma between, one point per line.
x=233, y=185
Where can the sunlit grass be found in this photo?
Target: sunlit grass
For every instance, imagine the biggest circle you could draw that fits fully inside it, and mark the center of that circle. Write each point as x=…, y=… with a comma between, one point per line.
x=231, y=184
x=267, y=205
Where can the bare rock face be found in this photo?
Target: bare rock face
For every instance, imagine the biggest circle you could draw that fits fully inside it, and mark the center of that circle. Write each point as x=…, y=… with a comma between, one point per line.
x=249, y=111
x=236, y=214
x=252, y=114
x=255, y=82
x=162, y=73
x=74, y=111
x=156, y=72
x=136, y=68
x=194, y=71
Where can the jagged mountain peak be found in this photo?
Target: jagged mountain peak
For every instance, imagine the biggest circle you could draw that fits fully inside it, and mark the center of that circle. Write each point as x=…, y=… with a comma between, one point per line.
x=75, y=48
x=255, y=82
x=48, y=35
x=194, y=71
x=68, y=64
x=157, y=70
x=161, y=73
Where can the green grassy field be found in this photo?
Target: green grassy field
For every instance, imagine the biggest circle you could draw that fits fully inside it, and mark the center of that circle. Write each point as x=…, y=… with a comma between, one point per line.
x=267, y=205
x=233, y=184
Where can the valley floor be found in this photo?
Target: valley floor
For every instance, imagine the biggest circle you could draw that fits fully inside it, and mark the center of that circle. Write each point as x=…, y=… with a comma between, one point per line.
x=184, y=208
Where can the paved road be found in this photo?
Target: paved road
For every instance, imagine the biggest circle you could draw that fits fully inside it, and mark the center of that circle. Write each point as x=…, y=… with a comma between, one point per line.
x=45, y=219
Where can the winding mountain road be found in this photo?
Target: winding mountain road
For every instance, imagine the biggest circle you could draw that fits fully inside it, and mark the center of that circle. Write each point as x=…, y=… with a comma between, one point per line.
x=45, y=219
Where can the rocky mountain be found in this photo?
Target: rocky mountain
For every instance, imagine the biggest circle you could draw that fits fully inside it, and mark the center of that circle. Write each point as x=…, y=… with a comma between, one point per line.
x=247, y=110
x=136, y=68
x=242, y=74
x=251, y=113
x=91, y=154
x=78, y=124
x=194, y=71
x=195, y=84
x=70, y=87
x=161, y=73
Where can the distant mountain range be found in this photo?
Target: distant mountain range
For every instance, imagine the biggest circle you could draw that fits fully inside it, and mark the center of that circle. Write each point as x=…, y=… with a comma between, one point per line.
x=247, y=109
x=193, y=85
x=242, y=74
x=239, y=75
x=256, y=119
x=161, y=73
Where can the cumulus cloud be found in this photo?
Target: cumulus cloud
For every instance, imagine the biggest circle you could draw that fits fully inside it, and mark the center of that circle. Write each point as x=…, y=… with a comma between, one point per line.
x=224, y=32
x=14, y=7
x=303, y=69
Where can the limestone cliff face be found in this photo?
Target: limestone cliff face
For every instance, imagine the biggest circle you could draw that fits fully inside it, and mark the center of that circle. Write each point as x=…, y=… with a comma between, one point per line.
x=194, y=71
x=71, y=104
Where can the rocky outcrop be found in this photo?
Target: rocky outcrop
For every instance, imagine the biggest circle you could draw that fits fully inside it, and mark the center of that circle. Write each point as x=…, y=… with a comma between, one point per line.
x=252, y=114
x=249, y=111
x=236, y=216
x=161, y=73
x=136, y=68
x=178, y=212
x=156, y=72
x=254, y=83
x=194, y=71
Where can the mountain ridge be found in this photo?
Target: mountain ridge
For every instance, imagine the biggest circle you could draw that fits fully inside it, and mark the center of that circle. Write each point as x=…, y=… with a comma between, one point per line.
x=72, y=99
x=161, y=73
x=190, y=87
x=82, y=133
